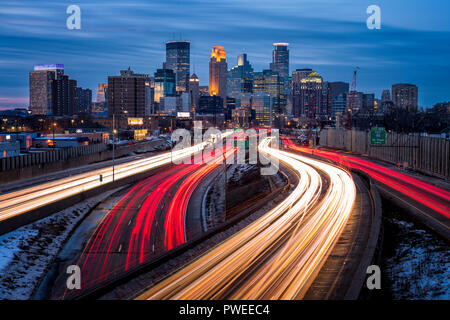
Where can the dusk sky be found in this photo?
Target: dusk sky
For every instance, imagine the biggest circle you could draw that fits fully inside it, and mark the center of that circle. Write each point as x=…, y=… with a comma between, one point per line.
x=413, y=45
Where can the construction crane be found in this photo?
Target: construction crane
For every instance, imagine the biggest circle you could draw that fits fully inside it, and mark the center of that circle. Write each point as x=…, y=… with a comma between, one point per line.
x=351, y=101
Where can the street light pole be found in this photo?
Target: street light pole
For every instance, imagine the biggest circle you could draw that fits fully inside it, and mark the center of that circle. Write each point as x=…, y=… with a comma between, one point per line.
x=114, y=142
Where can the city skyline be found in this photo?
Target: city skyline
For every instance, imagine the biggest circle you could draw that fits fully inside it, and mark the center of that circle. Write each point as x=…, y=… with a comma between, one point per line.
x=408, y=49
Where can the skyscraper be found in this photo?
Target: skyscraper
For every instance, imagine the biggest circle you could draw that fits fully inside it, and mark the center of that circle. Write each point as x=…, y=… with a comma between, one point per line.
x=127, y=94
x=311, y=95
x=178, y=58
x=262, y=104
x=297, y=77
x=405, y=96
x=271, y=82
x=218, y=73
x=194, y=91
x=240, y=77
x=41, y=89
x=280, y=63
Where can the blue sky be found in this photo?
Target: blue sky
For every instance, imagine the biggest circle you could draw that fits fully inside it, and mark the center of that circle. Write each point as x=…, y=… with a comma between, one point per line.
x=329, y=36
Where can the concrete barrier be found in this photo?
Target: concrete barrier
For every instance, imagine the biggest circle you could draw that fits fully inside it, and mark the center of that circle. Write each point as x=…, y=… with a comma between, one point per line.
x=424, y=154
x=15, y=168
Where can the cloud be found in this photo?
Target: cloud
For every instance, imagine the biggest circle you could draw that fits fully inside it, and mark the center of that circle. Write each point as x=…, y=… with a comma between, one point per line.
x=328, y=37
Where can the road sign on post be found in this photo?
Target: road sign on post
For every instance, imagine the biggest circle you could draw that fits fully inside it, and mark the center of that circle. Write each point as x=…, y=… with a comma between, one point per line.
x=377, y=136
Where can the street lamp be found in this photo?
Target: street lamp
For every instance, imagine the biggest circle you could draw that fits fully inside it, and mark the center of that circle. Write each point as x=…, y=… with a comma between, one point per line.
x=54, y=125
x=114, y=142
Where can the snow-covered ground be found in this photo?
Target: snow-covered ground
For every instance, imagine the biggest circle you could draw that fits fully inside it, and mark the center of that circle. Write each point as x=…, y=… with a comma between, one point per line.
x=26, y=253
x=419, y=267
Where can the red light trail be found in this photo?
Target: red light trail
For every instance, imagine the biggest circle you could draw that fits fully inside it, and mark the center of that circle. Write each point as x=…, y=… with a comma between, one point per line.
x=422, y=192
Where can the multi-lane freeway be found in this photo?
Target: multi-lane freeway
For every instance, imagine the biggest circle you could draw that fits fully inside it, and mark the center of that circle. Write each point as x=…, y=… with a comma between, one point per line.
x=278, y=255
x=431, y=202
x=21, y=201
x=148, y=219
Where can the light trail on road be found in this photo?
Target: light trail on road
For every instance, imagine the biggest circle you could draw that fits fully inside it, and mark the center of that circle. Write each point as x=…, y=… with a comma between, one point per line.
x=21, y=201
x=148, y=220
x=279, y=254
x=429, y=195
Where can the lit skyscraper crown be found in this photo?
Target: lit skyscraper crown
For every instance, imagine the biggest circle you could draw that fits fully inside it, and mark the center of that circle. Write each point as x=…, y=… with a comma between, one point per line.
x=218, y=52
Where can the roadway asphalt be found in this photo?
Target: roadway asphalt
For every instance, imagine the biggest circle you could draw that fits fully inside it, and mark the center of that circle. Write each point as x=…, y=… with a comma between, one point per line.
x=147, y=221
x=278, y=255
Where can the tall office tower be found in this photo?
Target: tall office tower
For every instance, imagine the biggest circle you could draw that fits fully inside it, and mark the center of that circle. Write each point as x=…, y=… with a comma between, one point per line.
x=240, y=77
x=194, y=91
x=178, y=58
x=165, y=84
x=271, y=82
x=64, y=92
x=405, y=96
x=297, y=77
x=262, y=104
x=102, y=92
x=280, y=63
x=368, y=103
x=40, y=87
x=386, y=96
x=311, y=95
x=218, y=73
x=127, y=94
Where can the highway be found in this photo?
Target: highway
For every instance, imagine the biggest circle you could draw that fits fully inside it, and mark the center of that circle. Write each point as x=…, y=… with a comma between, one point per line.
x=21, y=201
x=432, y=202
x=279, y=254
x=148, y=220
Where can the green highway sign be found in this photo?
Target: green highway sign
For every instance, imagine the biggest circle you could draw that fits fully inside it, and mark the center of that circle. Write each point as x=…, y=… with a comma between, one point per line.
x=377, y=136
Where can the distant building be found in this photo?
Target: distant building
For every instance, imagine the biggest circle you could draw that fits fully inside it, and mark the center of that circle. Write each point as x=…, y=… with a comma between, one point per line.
x=280, y=63
x=165, y=84
x=297, y=76
x=218, y=73
x=210, y=105
x=368, y=103
x=64, y=92
x=83, y=100
x=102, y=89
x=194, y=91
x=127, y=94
x=311, y=95
x=357, y=98
x=339, y=105
x=386, y=96
x=271, y=82
x=262, y=104
x=178, y=55
x=405, y=96
x=240, y=77
x=41, y=88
